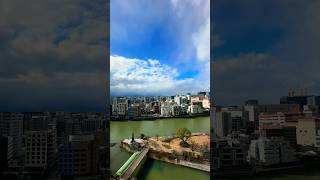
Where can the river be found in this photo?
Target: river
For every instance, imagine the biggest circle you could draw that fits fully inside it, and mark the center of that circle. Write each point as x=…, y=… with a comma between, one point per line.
x=152, y=169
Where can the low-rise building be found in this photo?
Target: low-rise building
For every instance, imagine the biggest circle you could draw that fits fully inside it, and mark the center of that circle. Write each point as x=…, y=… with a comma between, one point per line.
x=308, y=131
x=195, y=109
x=122, y=110
x=227, y=154
x=271, y=151
x=184, y=110
x=275, y=119
x=166, y=110
x=175, y=110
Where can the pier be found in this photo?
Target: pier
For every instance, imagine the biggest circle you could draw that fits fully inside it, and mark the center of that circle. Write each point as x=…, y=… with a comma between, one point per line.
x=126, y=171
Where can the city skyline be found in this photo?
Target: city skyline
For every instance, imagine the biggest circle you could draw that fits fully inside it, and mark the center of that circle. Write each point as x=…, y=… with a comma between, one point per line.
x=162, y=53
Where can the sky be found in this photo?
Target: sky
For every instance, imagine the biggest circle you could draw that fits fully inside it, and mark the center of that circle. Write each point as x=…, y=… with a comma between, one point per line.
x=53, y=55
x=261, y=49
x=159, y=47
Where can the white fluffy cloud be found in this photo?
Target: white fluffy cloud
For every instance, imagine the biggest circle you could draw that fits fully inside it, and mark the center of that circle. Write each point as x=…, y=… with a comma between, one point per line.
x=202, y=42
x=130, y=76
x=187, y=22
x=196, y=12
x=200, y=35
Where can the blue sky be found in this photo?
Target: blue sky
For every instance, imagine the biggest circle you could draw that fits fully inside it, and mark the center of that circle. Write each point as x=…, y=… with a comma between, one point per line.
x=173, y=33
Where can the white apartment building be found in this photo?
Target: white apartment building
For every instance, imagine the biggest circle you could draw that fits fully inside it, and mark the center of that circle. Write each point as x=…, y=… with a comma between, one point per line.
x=122, y=109
x=195, y=109
x=166, y=110
x=175, y=110
x=184, y=109
x=178, y=100
x=206, y=103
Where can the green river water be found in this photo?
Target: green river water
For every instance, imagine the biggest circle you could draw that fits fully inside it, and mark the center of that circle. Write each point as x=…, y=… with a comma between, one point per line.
x=152, y=169
x=157, y=170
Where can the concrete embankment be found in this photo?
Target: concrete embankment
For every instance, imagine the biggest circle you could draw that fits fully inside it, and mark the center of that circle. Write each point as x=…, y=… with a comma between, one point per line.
x=193, y=165
x=153, y=118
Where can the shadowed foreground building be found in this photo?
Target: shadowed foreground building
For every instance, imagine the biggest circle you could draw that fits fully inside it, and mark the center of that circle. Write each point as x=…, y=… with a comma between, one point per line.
x=41, y=145
x=82, y=155
x=40, y=151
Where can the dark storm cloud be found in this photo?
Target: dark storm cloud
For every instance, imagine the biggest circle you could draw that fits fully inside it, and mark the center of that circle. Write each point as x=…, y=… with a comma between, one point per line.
x=267, y=67
x=53, y=55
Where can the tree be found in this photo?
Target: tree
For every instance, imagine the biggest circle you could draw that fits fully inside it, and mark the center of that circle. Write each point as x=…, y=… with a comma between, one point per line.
x=184, y=134
x=132, y=138
x=142, y=136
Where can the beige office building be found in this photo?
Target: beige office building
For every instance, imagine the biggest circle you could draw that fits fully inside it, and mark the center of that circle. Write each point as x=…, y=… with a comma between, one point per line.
x=308, y=131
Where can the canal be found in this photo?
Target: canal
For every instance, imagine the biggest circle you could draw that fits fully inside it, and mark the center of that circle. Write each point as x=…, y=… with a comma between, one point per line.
x=156, y=170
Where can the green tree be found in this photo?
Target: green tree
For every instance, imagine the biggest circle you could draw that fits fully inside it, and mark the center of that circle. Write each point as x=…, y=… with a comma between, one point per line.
x=184, y=134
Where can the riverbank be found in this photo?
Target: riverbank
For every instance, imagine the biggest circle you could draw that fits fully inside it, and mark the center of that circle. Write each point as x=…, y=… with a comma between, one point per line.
x=193, y=165
x=153, y=118
x=168, y=149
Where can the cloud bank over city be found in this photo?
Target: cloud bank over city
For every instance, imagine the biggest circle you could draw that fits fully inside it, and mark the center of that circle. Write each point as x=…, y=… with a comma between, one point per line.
x=53, y=55
x=147, y=77
x=159, y=47
x=268, y=47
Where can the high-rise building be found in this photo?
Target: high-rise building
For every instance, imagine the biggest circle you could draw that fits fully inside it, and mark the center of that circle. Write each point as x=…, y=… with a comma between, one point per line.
x=228, y=120
x=11, y=125
x=92, y=122
x=6, y=152
x=300, y=100
x=37, y=123
x=75, y=157
x=40, y=149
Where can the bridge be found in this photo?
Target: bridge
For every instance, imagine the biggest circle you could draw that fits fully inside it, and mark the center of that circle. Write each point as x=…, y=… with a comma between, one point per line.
x=128, y=168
